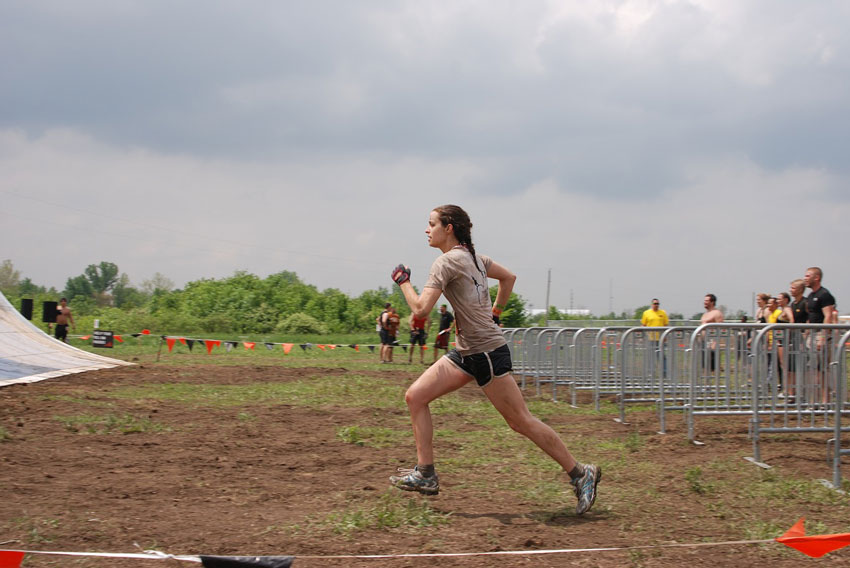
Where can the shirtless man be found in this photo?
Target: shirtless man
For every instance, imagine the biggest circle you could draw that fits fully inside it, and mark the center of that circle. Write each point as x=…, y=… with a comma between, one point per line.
x=63, y=317
x=711, y=315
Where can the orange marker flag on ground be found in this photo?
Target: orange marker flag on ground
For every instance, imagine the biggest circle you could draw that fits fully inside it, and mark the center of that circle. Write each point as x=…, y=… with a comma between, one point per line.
x=170, y=341
x=11, y=558
x=146, y=332
x=212, y=343
x=815, y=545
x=118, y=338
x=322, y=347
x=249, y=344
x=287, y=347
x=85, y=337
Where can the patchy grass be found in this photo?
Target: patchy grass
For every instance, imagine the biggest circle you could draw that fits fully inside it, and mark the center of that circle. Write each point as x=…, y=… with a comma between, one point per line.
x=355, y=391
x=373, y=436
x=392, y=510
x=110, y=424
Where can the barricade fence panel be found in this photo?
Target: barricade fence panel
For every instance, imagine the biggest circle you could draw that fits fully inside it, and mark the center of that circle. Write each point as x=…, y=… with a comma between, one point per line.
x=784, y=378
x=799, y=380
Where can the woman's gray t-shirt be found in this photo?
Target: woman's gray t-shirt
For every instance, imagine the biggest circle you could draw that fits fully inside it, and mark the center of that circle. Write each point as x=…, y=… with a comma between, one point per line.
x=466, y=289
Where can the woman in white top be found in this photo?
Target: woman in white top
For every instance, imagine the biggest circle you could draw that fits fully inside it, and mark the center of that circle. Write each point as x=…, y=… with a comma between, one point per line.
x=482, y=354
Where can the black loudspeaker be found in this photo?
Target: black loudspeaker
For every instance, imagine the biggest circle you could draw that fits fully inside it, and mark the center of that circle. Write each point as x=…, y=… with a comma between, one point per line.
x=48, y=312
x=26, y=308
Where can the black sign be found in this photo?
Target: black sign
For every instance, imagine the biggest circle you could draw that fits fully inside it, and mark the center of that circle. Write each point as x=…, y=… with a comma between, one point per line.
x=101, y=338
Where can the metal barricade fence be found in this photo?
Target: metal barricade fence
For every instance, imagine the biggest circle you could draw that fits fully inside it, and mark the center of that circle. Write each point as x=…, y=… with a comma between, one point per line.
x=720, y=371
x=798, y=380
x=563, y=369
x=843, y=408
x=607, y=374
x=527, y=349
x=553, y=348
x=544, y=359
x=511, y=334
x=788, y=378
x=635, y=358
x=582, y=362
x=651, y=363
x=676, y=388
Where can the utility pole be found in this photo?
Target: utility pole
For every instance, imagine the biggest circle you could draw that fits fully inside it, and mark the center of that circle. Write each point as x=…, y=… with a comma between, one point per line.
x=611, y=295
x=548, y=286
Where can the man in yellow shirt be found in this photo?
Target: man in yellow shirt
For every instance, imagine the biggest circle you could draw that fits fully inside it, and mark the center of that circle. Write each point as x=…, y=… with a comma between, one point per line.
x=654, y=317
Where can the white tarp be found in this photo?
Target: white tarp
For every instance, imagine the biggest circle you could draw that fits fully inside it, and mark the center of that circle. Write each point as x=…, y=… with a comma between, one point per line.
x=27, y=354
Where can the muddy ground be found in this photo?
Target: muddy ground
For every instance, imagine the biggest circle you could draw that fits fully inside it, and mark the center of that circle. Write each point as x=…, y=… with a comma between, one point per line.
x=215, y=484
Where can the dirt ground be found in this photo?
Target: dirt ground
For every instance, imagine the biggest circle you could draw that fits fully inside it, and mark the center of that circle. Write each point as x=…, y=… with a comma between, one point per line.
x=231, y=487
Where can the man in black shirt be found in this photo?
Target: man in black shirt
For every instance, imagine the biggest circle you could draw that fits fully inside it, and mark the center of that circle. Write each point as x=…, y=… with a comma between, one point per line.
x=820, y=303
x=821, y=309
x=442, y=342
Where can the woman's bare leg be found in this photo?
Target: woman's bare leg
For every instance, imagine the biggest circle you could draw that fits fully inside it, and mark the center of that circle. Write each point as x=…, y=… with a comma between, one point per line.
x=439, y=379
x=505, y=395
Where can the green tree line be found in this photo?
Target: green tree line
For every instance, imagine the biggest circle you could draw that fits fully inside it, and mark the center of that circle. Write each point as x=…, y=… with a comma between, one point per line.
x=242, y=303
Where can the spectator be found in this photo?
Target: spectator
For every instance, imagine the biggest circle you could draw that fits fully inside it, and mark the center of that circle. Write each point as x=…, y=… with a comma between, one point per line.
x=418, y=335
x=393, y=322
x=446, y=323
x=383, y=331
x=820, y=303
x=654, y=317
x=796, y=343
x=63, y=318
x=761, y=312
x=711, y=315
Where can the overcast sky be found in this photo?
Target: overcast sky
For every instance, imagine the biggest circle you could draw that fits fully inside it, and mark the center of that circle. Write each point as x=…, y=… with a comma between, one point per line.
x=637, y=149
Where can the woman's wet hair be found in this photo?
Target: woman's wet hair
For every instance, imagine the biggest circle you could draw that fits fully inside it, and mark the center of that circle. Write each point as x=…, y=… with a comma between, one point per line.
x=461, y=225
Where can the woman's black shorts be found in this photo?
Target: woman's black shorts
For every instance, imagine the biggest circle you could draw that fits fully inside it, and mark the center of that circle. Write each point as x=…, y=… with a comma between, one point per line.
x=483, y=366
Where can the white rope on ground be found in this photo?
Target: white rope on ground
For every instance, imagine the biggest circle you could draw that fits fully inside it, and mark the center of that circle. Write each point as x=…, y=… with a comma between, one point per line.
x=146, y=555
x=537, y=552
x=157, y=555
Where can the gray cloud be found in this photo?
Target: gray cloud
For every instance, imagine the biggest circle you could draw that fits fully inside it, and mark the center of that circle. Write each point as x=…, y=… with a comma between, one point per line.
x=615, y=108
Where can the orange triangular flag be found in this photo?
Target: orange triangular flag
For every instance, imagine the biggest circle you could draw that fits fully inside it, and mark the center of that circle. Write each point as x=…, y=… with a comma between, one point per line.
x=183, y=340
x=11, y=558
x=212, y=343
x=287, y=347
x=146, y=332
x=170, y=341
x=249, y=344
x=332, y=346
x=85, y=337
x=118, y=338
x=815, y=545
x=322, y=347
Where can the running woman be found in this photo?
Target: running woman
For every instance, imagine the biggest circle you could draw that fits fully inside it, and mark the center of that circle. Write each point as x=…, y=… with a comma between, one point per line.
x=482, y=354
